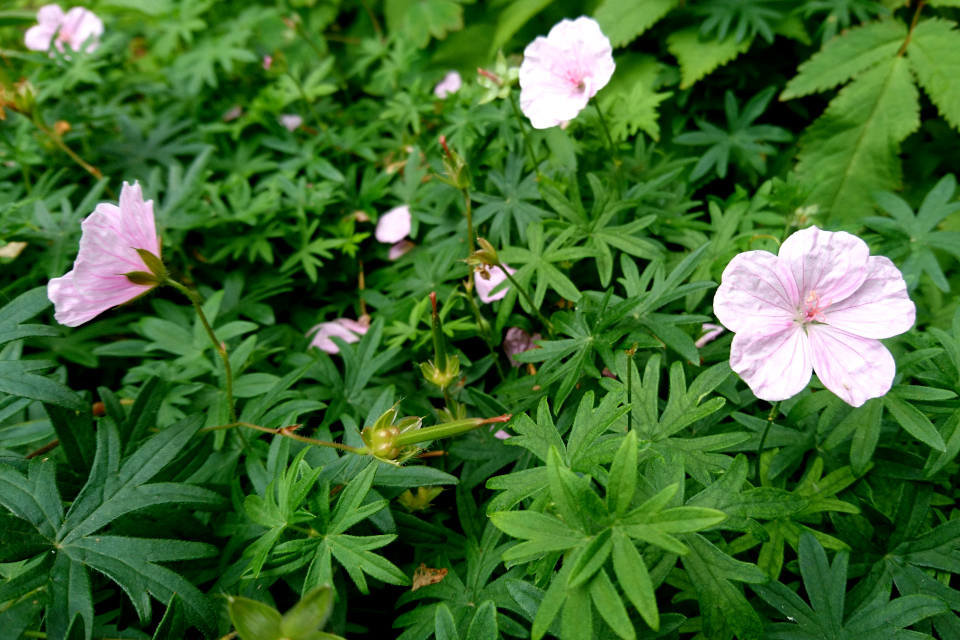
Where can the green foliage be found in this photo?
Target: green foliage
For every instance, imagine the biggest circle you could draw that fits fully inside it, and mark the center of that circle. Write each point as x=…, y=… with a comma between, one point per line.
x=615, y=478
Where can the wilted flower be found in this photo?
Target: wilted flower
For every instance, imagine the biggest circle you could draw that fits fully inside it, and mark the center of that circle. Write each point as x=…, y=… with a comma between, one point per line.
x=394, y=225
x=485, y=285
x=344, y=328
x=291, y=121
x=821, y=305
x=517, y=341
x=450, y=84
x=400, y=249
x=711, y=333
x=116, y=241
x=560, y=73
x=75, y=27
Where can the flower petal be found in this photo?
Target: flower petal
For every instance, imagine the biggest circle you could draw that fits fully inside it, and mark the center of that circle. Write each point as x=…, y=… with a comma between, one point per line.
x=38, y=37
x=394, y=225
x=774, y=362
x=834, y=264
x=327, y=330
x=485, y=287
x=880, y=308
x=82, y=25
x=856, y=369
x=451, y=83
x=50, y=15
x=755, y=290
x=517, y=341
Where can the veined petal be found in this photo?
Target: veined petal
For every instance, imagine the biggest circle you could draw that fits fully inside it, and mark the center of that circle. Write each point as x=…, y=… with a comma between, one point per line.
x=136, y=219
x=326, y=330
x=394, y=225
x=856, y=369
x=880, y=308
x=82, y=24
x=774, y=362
x=833, y=264
x=485, y=287
x=755, y=290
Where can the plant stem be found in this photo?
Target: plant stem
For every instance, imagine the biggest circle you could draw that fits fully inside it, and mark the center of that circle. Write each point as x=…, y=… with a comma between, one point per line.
x=913, y=25
x=58, y=140
x=286, y=432
x=526, y=296
x=523, y=130
x=630, y=353
x=468, y=209
x=774, y=412
x=217, y=344
x=617, y=162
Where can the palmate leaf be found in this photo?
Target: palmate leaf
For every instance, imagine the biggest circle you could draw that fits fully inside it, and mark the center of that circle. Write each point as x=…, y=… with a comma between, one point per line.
x=934, y=55
x=905, y=552
x=699, y=58
x=116, y=487
x=824, y=618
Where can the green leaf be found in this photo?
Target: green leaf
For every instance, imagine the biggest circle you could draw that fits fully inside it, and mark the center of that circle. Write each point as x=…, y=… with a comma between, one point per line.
x=623, y=476
x=308, y=615
x=634, y=579
x=418, y=20
x=914, y=422
x=484, y=623
x=623, y=20
x=699, y=57
x=607, y=601
x=254, y=620
x=444, y=624
x=20, y=540
x=934, y=56
x=75, y=432
x=852, y=149
x=846, y=57
x=512, y=18
x=24, y=307
x=591, y=559
x=173, y=625
x=16, y=380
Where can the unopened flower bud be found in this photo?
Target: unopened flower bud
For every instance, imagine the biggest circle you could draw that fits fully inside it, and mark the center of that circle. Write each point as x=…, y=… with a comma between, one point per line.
x=485, y=256
x=454, y=166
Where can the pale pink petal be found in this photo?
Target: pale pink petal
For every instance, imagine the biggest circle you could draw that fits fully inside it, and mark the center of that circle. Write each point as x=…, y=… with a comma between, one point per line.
x=502, y=435
x=111, y=236
x=560, y=73
x=854, y=368
x=232, y=113
x=450, y=84
x=81, y=25
x=267, y=62
x=880, y=308
x=291, y=121
x=73, y=309
x=712, y=332
x=400, y=249
x=339, y=328
x=755, y=290
x=832, y=264
x=357, y=326
x=38, y=37
x=50, y=15
x=517, y=341
x=775, y=362
x=394, y=225
x=485, y=287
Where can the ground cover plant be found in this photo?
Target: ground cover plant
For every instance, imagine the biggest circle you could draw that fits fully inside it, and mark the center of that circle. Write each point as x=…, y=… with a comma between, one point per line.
x=465, y=320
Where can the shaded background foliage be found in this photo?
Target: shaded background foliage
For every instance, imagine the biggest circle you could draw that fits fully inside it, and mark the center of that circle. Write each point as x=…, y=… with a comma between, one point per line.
x=681, y=506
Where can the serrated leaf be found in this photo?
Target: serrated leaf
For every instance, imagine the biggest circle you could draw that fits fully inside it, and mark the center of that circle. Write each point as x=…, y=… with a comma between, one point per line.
x=623, y=20
x=852, y=149
x=934, y=55
x=699, y=57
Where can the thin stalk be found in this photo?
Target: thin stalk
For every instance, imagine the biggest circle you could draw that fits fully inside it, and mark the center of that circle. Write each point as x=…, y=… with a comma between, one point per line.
x=526, y=296
x=770, y=418
x=447, y=430
x=913, y=25
x=469, y=213
x=484, y=331
x=217, y=344
x=287, y=433
x=630, y=354
x=58, y=140
x=523, y=130
x=617, y=162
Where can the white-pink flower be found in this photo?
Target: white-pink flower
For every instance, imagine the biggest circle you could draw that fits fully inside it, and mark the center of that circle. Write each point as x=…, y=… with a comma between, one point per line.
x=400, y=249
x=450, y=84
x=560, y=73
x=517, y=341
x=710, y=333
x=486, y=286
x=394, y=225
x=291, y=121
x=822, y=305
x=344, y=328
x=108, y=250
x=75, y=27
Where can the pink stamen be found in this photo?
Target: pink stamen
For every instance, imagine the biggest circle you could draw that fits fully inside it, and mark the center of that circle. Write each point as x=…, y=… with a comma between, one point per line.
x=813, y=308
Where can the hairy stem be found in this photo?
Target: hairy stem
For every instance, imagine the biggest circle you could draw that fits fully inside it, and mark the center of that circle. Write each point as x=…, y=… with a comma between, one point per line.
x=217, y=344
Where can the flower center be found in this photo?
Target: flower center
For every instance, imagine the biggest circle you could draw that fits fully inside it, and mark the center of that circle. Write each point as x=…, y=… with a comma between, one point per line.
x=813, y=307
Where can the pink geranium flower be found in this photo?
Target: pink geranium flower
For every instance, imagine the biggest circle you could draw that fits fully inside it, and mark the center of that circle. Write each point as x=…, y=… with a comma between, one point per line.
x=710, y=333
x=344, y=328
x=450, y=84
x=400, y=249
x=560, y=73
x=485, y=286
x=517, y=341
x=75, y=27
x=394, y=225
x=291, y=121
x=821, y=305
x=108, y=250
